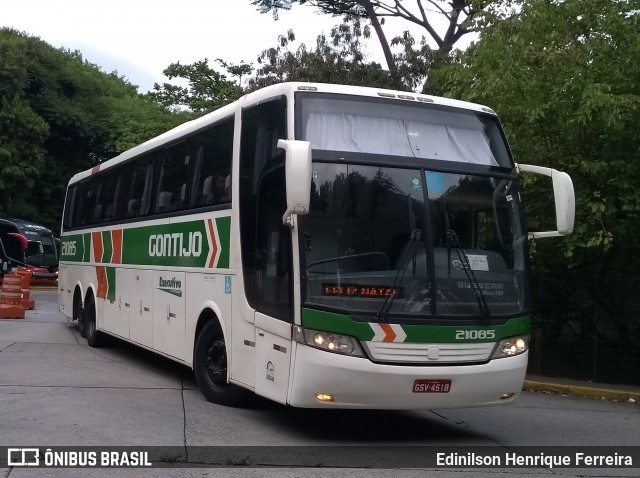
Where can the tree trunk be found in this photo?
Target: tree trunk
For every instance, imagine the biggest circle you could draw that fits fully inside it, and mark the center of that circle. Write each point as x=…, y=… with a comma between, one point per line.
x=384, y=43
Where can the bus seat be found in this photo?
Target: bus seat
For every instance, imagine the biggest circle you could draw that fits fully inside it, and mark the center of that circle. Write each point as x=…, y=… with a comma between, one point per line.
x=108, y=215
x=207, y=190
x=97, y=215
x=164, y=201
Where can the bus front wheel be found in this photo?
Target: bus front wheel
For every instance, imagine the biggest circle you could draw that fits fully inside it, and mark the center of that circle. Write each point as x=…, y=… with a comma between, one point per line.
x=210, y=367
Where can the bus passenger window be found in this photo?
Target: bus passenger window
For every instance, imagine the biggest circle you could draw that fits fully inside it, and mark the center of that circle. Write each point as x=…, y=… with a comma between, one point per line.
x=121, y=199
x=133, y=208
x=210, y=180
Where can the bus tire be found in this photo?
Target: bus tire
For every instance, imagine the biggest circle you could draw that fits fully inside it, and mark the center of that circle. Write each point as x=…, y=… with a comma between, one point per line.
x=94, y=338
x=78, y=314
x=210, y=367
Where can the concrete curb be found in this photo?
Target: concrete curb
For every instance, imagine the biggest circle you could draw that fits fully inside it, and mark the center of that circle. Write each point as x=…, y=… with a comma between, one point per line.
x=598, y=393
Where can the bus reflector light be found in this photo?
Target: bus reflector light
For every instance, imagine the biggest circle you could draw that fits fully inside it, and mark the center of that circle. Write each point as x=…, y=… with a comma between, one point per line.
x=324, y=397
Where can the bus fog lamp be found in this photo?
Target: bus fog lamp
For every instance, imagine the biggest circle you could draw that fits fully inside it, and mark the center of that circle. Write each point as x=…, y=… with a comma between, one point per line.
x=341, y=344
x=512, y=346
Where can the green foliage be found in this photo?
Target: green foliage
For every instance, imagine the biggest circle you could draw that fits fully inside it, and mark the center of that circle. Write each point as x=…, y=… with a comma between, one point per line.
x=60, y=115
x=335, y=60
x=565, y=79
x=207, y=89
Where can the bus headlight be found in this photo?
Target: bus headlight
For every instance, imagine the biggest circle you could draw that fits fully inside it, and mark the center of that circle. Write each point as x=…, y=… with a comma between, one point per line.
x=511, y=347
x=329, y=341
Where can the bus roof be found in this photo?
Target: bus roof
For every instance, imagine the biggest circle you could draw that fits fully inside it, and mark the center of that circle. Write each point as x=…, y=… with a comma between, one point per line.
x=269, y=92
x=23, y=226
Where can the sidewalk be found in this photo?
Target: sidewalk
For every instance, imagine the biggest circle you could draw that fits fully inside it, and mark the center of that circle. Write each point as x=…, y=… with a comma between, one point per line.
x=579, y=388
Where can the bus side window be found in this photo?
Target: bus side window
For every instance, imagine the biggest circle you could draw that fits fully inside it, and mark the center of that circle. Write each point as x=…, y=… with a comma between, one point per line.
x=67, y=220
x=213, y=153
x=147, y=189
x=195, y=198
x=121, y=199
x=172, y=181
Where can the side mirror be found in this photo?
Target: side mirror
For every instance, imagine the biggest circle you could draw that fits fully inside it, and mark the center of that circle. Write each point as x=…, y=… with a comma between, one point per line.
x=564, y=198
x=298, y=174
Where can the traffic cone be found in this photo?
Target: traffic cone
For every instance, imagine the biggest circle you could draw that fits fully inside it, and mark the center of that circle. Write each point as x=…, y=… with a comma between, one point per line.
x=10, y=297
x=25, y=284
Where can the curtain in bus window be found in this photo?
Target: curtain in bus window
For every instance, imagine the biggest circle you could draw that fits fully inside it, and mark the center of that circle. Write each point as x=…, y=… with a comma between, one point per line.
x=361, y=134
x=450, y=143
x=455, y=140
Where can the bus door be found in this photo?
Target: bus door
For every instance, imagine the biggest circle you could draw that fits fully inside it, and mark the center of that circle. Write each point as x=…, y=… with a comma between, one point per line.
x=266, y=246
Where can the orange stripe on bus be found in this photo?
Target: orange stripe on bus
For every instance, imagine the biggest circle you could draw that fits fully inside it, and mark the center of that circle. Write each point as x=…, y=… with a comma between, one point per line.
x=214, y=245
x=390, y=335
x=116, y=240
x=101, y=273
x=96, y=239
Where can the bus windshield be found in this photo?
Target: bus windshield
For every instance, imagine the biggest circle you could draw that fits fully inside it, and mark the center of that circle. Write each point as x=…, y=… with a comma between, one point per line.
x=42, y=252
x=413, y=242
x=401, y=128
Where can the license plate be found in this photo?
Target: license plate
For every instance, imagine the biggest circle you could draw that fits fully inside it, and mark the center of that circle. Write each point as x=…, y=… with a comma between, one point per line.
x=432, y=386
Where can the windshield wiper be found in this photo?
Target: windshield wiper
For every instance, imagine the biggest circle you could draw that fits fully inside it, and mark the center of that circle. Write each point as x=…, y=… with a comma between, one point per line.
x=452, y=238
x=409, y=251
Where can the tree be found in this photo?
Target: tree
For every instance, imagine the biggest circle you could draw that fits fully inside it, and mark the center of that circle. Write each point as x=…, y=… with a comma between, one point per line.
x=460, y=16
x=207, y=89
x=22, y=131
x=338, y=60
x=60, y=115
x=565, y=79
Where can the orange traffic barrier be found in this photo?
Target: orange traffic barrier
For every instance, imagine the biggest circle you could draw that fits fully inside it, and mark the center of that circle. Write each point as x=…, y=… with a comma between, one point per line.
x=11, y=297
x=25, y=284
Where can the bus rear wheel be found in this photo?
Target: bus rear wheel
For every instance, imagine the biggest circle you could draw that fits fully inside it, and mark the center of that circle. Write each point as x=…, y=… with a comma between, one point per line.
x=210, y=367
x=78, y=315
x=94, y=338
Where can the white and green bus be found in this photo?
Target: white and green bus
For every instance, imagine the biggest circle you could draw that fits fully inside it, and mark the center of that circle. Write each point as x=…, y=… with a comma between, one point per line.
x=319, y=245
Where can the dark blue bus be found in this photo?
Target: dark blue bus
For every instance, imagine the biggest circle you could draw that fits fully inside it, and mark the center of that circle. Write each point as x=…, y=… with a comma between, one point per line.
x=26, y=244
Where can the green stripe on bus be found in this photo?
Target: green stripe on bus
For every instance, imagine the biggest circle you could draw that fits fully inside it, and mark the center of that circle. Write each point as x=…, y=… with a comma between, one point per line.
x=337, y=323
x=343, y=324
x=183, y=244
x=86, y=256
x=223, y=225
x=111, y=283
x=107, y=247
x=72, y=248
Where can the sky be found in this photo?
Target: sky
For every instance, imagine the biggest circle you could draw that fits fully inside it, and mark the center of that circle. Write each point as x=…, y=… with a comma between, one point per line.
x=140, y=38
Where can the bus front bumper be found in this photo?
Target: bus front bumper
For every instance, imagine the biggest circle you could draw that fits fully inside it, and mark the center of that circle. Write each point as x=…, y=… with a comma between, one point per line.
x=359, y=383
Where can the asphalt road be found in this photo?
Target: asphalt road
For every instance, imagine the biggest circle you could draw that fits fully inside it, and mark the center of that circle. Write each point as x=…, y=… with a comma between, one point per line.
x=57, y=391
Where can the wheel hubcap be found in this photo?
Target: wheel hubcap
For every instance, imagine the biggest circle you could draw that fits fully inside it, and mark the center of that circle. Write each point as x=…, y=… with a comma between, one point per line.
x=216, y=363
